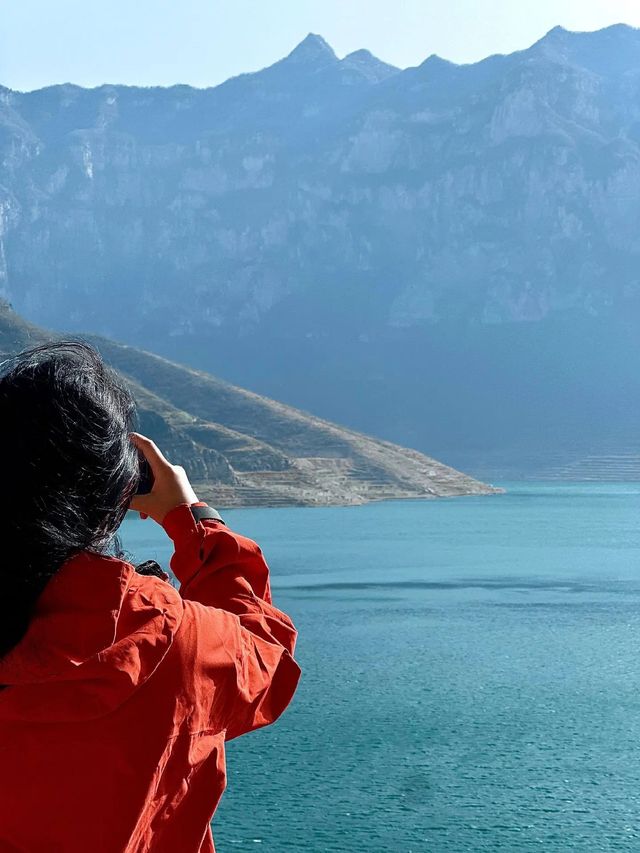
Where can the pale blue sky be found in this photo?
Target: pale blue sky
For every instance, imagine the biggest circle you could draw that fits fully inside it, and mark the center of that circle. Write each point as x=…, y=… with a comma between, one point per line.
x=203, y=42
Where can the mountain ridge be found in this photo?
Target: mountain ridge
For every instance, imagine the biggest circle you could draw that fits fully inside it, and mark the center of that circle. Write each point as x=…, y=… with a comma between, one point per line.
x=320, y=235
x=314, y=44
x=312, y=49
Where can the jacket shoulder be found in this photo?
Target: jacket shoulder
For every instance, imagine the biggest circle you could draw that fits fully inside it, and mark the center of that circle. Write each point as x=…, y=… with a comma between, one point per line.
x=149, y=604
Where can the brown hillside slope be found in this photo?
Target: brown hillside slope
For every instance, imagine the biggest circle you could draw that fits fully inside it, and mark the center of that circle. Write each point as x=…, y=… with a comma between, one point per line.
x=242, y=449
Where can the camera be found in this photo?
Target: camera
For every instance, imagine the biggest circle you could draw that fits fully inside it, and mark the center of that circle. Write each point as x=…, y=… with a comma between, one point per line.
x=146, y=479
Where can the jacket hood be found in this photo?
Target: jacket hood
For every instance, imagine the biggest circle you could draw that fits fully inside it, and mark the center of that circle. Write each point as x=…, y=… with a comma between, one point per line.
x=98, y=632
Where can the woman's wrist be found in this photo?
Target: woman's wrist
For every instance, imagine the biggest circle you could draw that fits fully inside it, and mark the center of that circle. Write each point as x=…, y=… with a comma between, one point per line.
x=181, y=522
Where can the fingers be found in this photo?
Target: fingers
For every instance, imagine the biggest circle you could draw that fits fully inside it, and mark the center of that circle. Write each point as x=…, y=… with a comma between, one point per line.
x=150, y=451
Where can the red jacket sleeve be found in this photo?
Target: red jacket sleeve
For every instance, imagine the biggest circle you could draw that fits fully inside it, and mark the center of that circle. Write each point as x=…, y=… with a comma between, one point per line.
x=221, y=569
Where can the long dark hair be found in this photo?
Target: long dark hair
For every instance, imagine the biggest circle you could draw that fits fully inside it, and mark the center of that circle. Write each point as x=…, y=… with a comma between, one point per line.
x=68, y=468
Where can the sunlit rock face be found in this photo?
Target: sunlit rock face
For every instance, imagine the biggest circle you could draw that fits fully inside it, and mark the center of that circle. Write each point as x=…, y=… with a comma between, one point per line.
x=282, y=202
x=498, y=190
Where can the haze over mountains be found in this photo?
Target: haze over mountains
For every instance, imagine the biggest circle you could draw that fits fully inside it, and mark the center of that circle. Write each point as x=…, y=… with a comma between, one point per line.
x=445, y=256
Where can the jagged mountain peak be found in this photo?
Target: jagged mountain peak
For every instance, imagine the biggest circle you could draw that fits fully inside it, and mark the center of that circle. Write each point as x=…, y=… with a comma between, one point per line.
x=435, y=61
x=365, y=62
x=312, y=49
x=561, y=35
x=612, y=50
x=555, y=33
x=612, y=30
x=433, y=68
x=361, y=54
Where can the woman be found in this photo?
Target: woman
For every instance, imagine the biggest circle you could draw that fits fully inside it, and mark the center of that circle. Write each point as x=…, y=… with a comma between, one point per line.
x=119, y=692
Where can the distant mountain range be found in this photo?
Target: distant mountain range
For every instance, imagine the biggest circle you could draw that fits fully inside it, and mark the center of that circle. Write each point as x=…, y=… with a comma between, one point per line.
x=241, y=449
x=446, y=256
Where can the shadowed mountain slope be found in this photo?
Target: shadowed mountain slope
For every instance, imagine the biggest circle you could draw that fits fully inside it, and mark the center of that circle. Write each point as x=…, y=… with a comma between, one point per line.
x=241, y=449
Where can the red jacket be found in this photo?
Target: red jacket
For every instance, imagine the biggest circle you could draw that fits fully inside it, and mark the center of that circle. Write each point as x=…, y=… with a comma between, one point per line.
x=123, y=692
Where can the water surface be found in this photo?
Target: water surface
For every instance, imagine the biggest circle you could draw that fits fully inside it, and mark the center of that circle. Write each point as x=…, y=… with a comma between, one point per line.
x=471, y=673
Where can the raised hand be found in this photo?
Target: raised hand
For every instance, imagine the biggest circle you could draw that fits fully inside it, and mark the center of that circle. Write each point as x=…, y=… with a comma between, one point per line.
x=171, y=485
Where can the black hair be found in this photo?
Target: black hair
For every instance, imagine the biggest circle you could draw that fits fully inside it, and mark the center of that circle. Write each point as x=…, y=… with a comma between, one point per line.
x=68, y=468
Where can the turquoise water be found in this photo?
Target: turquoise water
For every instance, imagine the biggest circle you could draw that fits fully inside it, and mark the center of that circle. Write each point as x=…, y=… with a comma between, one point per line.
x=471, y=676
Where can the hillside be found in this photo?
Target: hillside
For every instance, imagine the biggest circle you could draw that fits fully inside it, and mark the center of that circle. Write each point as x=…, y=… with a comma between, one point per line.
x=443, y=255
x=241, y=449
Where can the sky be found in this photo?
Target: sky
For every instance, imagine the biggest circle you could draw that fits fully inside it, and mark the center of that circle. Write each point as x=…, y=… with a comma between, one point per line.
x=203, y=42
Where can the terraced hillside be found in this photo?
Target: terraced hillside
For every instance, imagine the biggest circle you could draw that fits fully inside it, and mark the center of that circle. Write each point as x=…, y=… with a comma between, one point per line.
x=241, y=449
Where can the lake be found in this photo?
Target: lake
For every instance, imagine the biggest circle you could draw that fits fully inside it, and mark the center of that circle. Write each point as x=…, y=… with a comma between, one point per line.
x=471, y=676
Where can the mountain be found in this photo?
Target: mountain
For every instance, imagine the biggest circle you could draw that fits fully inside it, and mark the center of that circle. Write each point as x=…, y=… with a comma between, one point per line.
x=241, y=449
x=445, y=256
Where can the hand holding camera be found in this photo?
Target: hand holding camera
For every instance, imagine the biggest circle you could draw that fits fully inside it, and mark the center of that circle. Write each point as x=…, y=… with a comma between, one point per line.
x=169, y=483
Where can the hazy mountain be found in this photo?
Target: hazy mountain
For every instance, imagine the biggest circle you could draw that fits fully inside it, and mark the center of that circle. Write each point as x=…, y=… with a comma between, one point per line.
x=445, y=255
x=243, y=449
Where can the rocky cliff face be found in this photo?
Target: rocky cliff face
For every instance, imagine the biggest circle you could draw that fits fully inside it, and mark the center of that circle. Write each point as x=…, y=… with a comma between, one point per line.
x=333, y=206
